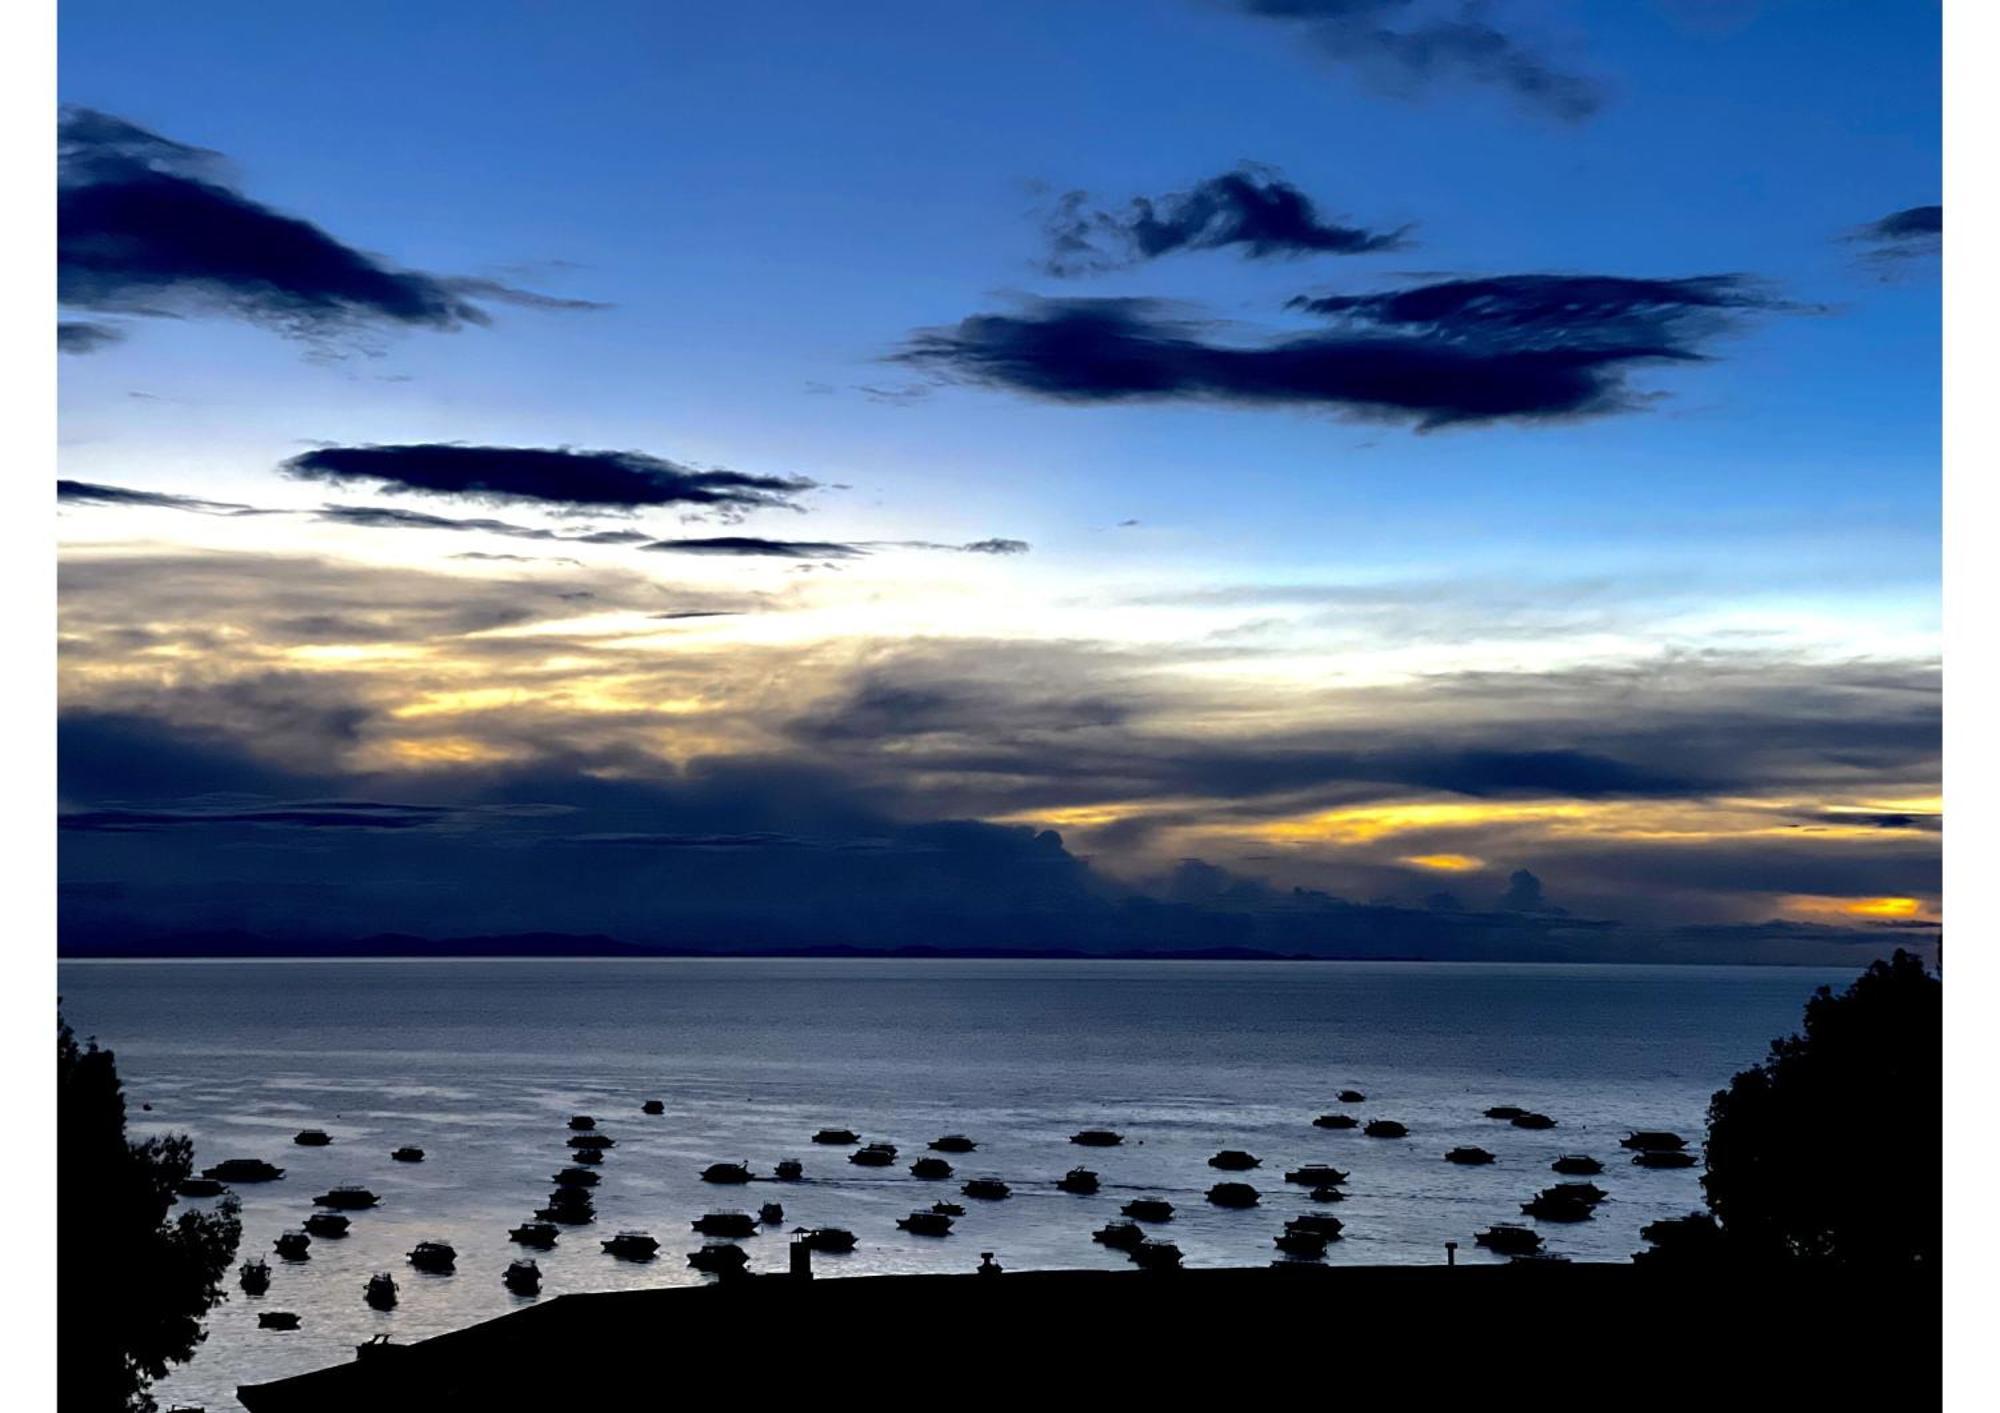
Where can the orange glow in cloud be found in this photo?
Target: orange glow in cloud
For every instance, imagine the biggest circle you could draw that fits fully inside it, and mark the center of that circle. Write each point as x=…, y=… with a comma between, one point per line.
x=1447, y=863
x=1880, y=909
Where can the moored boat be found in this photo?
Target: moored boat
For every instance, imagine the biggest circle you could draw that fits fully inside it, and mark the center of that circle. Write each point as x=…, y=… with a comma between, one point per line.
x=348, y=1197
x=1322, y=1225
x=1552, y=1206
x=789, y=1170
x=1155, y=1255
x=836, y=1240
x=243, y=1170
x=1506, y=1111
x=726, y=1173
x=1533, y=1121
x=729, y=1224
x=312, y=1138
x=953, y=1143
x=1149, y=1209
x=873, y=1155
x=631, y=1246
x=1652, y=1140
x=653, y=1106
x=1316, y=1175
x=1509, y=1239
x=582, y=1123
x=1385, y=1128
x=1119, y=1236
x=592, y=1140
x=436, y=1257
x=1080, y=1181
x=986, y=1189
x=930, y=1168
x=254, y=1277
x=836, y=1137
x=1336, y=1121
x=1328, y=1193
x=198, y=1187
x=1097, y=1138
x=326, y=1224
x=277, y=1320
x=1664, y=1158
x=771, y=1213
x=1235, y=1160
x=1352, y=1096
x=1296, y=1241
x=293, y=1245
x=576, y=1177
x=926, y=1224
x=1577, y=1165
x=408, y=1153
x=380, y=1292
x=522, y=1277
x=1469, y=1157
x=719, y=1258
x=1233, y=1194
x=540, y=1235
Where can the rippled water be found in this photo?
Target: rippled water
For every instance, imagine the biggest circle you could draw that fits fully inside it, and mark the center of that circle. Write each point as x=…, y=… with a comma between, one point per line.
x=480, y=1064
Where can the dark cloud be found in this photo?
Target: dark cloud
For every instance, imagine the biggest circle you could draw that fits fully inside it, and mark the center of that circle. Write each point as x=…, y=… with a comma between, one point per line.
x=1410, y=47
x=1460, y=351
x=558, y=476
x=996, y=546
x=88, y=493
x=308, y=814
x=147, y=225
x=83, y=336
x=1254, y=211
x=750, y=546
x=1903, y=235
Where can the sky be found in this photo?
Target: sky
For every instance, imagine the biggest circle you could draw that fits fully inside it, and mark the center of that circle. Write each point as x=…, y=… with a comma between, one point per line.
x=1394, y=477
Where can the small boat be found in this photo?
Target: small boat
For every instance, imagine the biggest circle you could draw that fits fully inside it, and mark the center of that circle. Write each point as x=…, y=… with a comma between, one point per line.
x=1650, y=1140
x=198, y=1187
x=653, y=1106
x=953, y=1143
x=1508, y=1239
x=789, y=1170
x=1233, y=1194
x=1695, y=1231
x=1582, y=1191
x=311, y=1138
x=437, y=1257
x=540, y=1235
x=1552, y=1206
x=1120, y=1236
x=1576, y=1165
x=875, y=1155
x=771, y=1213
x=592, y=1140
x=1352, y=1096
x=1328, y=1193
x=1385, y=1128
x=1336, y=1121
x=1152, y=1255
x=1327, y=1228
x=348, y=1198
x=592, y=1156
x=726, y=1173
x=926, y=1224
x=1149, y=1209
x=1538, y=1258
x=326, y=1224
x=277, y=1320
x=1506, y=1111
x=1315, y=1175
x=243, y=1170
x=1081, y=1181
x=729, y=1224
x=986, y=1189
x=576, y=1177
x=1663, y=1158
x=569, y=1205
x=1296, y=1241
x=836, y=1240
x=293, y=1245
x=632, y=1246
x=719, y=1258
x=1533, y=1121
x=254, y=1277
x=837, y=1137
x=408, y=1154
x=1235, y=1160
x=948, y=1209
x=1469, y=1157
x=380, y=1292
x=1097, y=1138
x=522, y=1277
x=930, y=1168
x=582, y=1123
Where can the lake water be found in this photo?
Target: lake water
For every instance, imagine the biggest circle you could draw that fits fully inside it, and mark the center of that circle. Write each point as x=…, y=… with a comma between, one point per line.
x=481, y=1063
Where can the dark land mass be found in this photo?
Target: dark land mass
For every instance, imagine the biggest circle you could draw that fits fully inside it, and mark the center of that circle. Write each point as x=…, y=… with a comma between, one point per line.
x=1553, y=1336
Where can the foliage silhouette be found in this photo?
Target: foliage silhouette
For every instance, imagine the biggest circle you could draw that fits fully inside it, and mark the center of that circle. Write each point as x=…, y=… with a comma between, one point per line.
x=133, y=1286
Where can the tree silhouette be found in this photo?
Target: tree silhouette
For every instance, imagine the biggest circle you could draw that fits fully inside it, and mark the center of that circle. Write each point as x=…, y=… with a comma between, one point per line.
x=132, y=1287
x=1781, y=1176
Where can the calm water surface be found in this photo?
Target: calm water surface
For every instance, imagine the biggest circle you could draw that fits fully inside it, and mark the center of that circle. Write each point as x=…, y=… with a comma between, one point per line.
x=481, y=1063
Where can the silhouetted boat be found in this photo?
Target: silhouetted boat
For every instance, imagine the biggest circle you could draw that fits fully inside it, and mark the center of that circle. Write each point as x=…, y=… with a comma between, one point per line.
x=1097, y=1138
x=1652, y=1140
x=789, y=1170
x=380, y=1292
x=953, y=1143
x=986, y=1189
x=1673, y=1238
x=1577, y=1165
x=1470, y=1157
x=874, y=1155
x=1298, y=1242
x=408, y=1154
x=1352, y=1096
x=1120, y=1236
x=1233, y=1194
x=836, y=1136
x=569, y=1205
x=1552, y=1206
x=293, y=1245
x=1152, y=1255
x=926, y=1224
x=652, y=1106
x=577, y=1177
x=1385, y=1128
x=930, y=1168
x=593, y=1156
x=1664, y=1158
x=582, y=1123
x=771, y=1213
x=326, y=1224
x=254, y=1277
x=1081, y=1181
x=1506, y=1111
x=1235, y=1160
x=243, y=1170
x=592, y=1140
x=1533, y=1121
x=522, y=1277
x=726, y=1172
x=1508, y=1239
x=277, y=1320
x=437, y=1257
x=1582, y=1191
x=198, y=1187
x=719, y=1258
x=948, y=1209
x=1328, y=1193
x=540, y=1235
x=1322, y=1225
x=1336, y=1121
x=347, y=1198
x=311, y=1138
x=729, y=1224
x=836, y=1240
x=1315, y=1175
x=1149, y=1209
x=632, y=1246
